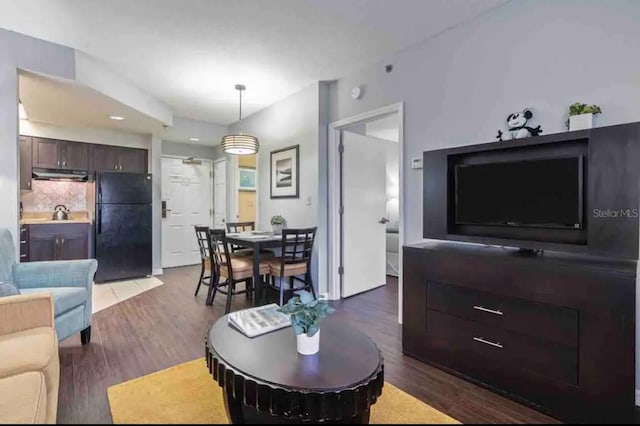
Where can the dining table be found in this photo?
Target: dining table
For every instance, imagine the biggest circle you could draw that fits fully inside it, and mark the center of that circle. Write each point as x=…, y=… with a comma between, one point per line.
x=257, y=241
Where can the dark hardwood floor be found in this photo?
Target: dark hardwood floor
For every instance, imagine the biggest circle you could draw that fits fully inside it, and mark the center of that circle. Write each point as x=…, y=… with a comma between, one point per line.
x=166, y=326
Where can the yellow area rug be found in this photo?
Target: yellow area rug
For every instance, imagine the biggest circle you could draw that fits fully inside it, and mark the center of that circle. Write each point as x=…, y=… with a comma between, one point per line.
x=187, y=393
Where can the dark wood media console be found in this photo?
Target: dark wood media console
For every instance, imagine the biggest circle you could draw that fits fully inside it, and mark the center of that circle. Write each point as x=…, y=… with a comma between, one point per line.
x=556, y=331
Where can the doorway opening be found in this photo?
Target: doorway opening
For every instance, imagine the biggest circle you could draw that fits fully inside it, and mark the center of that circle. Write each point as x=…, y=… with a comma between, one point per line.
x=246, y=185
x=365, y=202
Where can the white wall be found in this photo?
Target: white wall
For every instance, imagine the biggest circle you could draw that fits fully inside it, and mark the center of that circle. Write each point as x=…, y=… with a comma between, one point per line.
x=458, y=87
x=155, y=158
x=292, y=121
x=209, y=134
x=85, y=134
x=191, y=150
x=18, y=51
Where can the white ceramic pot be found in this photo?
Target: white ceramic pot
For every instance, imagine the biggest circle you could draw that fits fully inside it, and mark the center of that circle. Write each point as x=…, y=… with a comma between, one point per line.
x=580, y=122
x=308, y=345
x=277, y=229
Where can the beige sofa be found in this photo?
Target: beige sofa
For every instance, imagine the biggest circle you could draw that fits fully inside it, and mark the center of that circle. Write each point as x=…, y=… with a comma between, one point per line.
x=29, y=363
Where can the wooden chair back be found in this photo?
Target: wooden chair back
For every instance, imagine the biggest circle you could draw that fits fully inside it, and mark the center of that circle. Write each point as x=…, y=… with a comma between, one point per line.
x=297, y=245
x=204, y=242
x=220, y=250
x=239, y=227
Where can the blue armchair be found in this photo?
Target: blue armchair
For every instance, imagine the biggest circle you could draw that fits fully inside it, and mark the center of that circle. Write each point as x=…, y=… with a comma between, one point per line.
x=70, y=283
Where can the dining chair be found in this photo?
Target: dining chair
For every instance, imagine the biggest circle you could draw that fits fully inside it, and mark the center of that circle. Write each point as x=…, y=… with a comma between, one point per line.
x=204, y=245
x=238, y=227
x=294, y=261
x=234, y=269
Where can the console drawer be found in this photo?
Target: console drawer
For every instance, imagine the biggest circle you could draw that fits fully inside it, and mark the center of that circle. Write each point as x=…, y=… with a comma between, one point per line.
x=553, y=323
x=510, y=351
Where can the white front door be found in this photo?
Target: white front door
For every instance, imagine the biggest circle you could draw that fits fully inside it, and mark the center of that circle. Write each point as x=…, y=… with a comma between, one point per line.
x=187, y=192
x=364, y=201
x=220, y=194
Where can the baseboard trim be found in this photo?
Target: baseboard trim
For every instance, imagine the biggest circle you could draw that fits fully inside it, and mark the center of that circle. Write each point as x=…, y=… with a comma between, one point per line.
x=637, y=397
x=157, y=271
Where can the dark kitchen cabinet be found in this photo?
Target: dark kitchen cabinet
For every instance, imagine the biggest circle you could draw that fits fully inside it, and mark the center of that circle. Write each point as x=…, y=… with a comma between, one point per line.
x=24, y=243
x=133, y=160
x=46, y=153
x=105, y=158
x=118, y=159
x=74, y=155
x=25, y=163
x=58, y=242
x=55, y=154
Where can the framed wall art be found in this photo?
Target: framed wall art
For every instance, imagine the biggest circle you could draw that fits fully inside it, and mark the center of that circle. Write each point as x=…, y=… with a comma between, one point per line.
x=285, y=173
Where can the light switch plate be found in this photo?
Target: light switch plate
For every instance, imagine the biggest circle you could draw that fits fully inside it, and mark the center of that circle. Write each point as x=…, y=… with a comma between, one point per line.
x=416, y=163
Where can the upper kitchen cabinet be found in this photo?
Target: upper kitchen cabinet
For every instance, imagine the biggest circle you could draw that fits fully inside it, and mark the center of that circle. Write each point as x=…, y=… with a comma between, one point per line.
x=75, y=155
x=118, y=159
x=133, y=160
x=105, y=158
x=56, y=154
x=25, y=163
x=46, y=153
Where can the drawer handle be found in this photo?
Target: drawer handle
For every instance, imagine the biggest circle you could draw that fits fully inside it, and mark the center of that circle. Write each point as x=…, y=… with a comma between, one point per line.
x=487, y=342
x=487, y=310
x=22, y=256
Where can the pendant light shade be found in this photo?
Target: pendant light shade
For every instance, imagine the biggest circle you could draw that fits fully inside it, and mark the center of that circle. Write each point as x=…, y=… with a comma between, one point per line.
x=239, y=143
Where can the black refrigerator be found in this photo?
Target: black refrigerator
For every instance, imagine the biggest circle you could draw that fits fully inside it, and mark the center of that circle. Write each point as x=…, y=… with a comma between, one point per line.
x=123, y=225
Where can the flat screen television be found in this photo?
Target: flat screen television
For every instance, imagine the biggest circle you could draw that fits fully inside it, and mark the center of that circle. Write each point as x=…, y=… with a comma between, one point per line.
x=529, y=193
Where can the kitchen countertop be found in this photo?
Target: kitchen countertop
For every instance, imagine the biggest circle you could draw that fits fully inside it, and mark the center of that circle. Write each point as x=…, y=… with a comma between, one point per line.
x=45, y=218
x=36, y=221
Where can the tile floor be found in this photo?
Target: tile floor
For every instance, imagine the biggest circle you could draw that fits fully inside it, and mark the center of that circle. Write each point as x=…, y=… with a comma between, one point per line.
x=108, y=294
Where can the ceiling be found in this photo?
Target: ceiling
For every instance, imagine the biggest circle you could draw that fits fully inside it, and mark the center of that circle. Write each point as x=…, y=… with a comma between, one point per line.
x=191, y=53
x=66, y=103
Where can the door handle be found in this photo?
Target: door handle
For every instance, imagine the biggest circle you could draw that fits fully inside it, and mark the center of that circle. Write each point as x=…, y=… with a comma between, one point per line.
x=487, y=310
x=99, y=219
x=384, y=220
x=56, y=253
x=488, y=342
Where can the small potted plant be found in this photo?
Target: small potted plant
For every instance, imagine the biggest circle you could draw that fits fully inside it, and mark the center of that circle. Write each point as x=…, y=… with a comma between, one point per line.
x=581, y=116
x=306, y=314
x=277, y=222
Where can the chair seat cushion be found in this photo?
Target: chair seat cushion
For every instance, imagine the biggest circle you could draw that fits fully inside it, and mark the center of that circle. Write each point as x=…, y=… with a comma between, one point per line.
x=24, y=399
x=242, y=268
x=64, y=298
x=290, y=269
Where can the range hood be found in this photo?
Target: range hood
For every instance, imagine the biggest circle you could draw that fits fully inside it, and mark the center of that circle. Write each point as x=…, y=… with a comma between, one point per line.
x=61, y=175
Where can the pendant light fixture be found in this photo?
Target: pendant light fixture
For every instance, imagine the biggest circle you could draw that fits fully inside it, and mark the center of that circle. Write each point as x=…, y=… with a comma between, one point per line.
x=239, y=143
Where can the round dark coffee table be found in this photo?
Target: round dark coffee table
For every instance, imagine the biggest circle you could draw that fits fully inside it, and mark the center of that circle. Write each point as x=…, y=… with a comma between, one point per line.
x=265, y=380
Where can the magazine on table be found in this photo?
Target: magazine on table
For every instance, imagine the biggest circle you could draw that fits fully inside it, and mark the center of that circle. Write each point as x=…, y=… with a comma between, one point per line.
x=260, y=320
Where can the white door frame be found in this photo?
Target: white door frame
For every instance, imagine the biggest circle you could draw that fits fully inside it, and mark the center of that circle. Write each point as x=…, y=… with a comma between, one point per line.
x=183, y=157
x=230, y=189
x=333, y=246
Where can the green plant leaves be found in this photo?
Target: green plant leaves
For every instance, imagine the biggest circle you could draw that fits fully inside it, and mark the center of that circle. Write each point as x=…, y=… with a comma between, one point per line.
x=578, y=108
x=277, y=220
x=306, y=312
